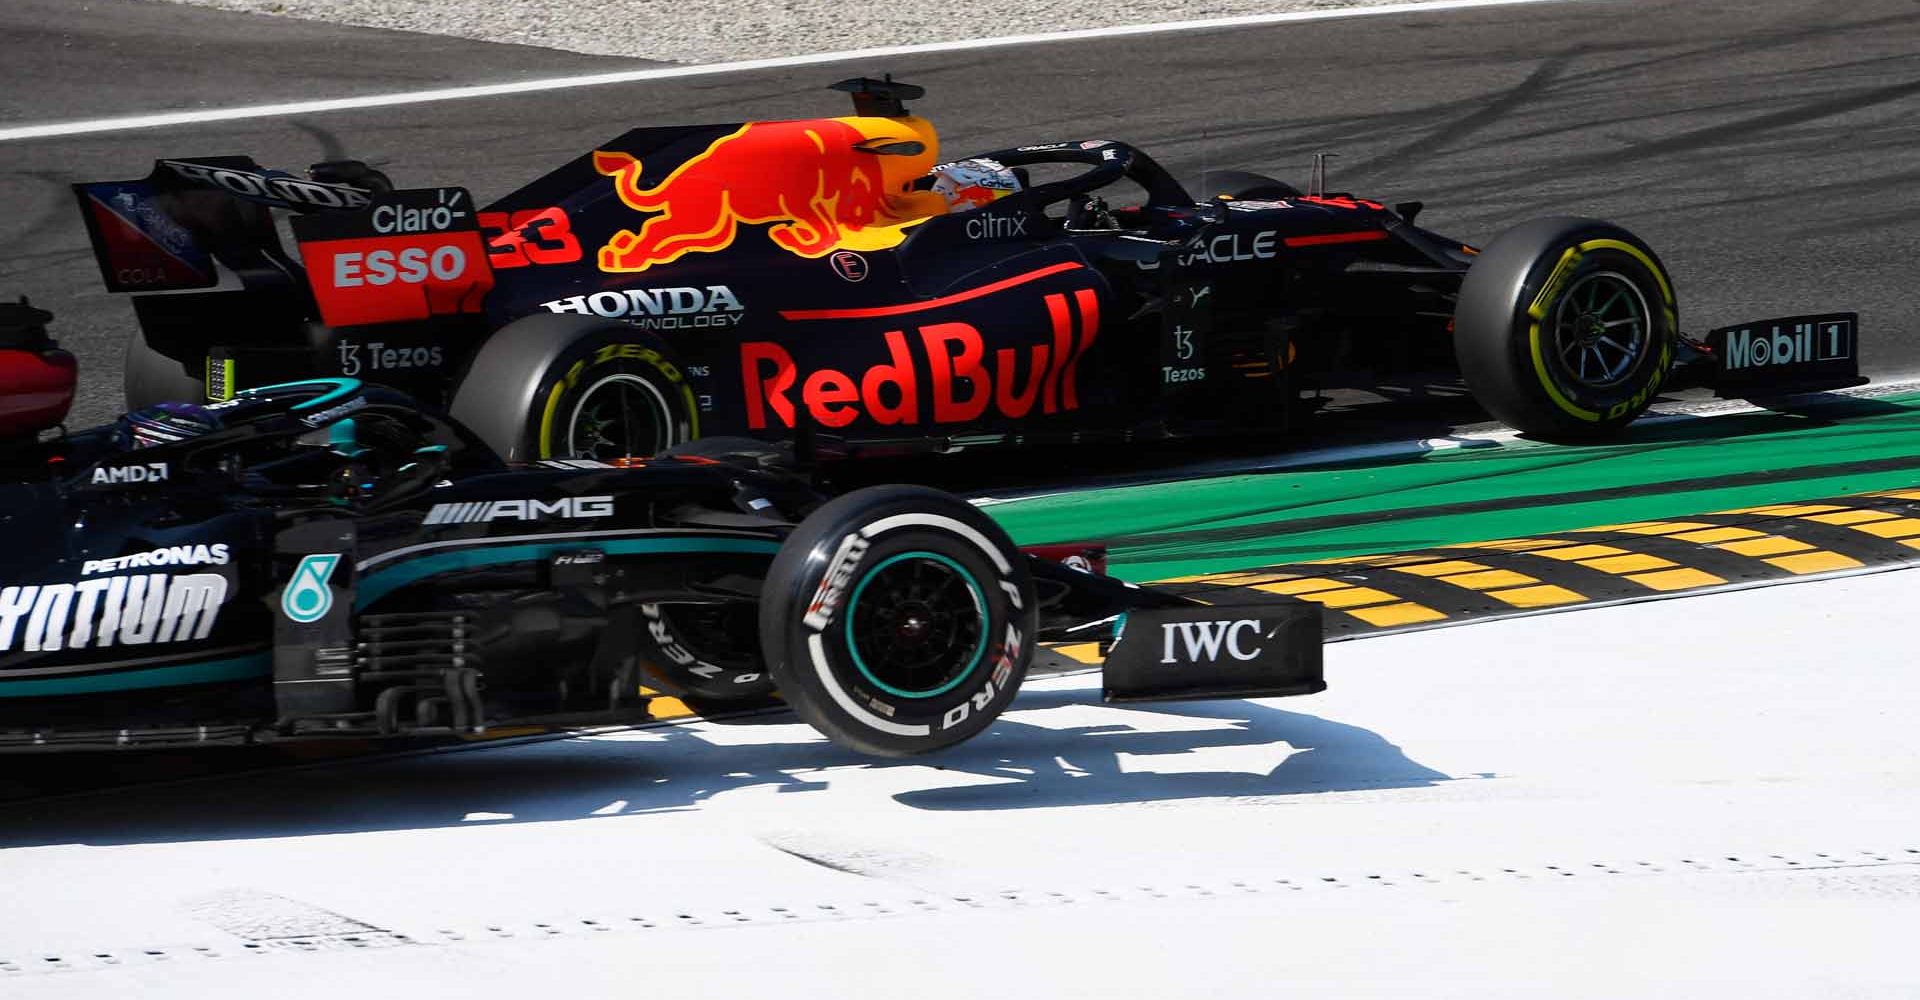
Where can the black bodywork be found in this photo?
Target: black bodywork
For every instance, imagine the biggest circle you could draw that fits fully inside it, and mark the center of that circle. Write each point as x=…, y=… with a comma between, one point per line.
x=331, y=559
x=1107, y=302
x=782, y=274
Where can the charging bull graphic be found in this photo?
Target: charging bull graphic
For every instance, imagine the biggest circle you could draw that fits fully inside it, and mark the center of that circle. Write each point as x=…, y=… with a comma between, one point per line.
x=826, y=184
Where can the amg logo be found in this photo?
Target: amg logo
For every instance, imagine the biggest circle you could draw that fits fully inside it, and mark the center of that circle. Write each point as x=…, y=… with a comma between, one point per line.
x=1830, y=342
x=120, y=610
x=126, y=475
x=1202, y=641
x=826, y=600
x=481, y=511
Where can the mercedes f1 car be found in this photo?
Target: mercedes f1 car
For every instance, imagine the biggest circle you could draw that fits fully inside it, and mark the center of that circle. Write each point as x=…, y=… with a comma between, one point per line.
x=328, y=558
x=748, y=279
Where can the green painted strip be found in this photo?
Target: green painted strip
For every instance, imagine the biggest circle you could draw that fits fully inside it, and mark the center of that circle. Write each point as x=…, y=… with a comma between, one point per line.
x=382, y=582
x=1237, y=522
x=239, y=668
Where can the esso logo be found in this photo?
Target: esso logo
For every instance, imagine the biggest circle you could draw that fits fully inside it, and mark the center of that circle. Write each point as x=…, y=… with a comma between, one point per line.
x=412, y=266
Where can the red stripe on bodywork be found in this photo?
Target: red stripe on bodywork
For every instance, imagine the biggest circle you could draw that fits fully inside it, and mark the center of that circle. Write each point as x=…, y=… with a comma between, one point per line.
x=876, y=312
x=1326, y=239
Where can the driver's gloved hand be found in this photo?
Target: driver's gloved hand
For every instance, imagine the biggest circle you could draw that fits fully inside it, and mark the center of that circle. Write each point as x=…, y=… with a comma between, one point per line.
x=1088, y=212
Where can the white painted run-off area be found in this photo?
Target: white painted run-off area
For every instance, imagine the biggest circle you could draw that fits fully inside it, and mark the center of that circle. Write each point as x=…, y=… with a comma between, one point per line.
x=1705, y=797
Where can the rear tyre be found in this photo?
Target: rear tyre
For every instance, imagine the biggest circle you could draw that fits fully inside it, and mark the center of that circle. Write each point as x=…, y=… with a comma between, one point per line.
x=1566, y=328
x=553, y=386
x=150, y=377
x=1242, y=185
x=898, y=620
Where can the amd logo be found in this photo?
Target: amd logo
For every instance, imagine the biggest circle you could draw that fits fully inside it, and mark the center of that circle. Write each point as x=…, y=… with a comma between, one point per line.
x=1202, y=642
x=130, y=475
x=482, y=511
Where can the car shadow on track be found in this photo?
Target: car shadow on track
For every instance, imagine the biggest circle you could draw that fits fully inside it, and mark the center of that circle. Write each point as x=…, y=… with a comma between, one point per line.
x=1059, y=748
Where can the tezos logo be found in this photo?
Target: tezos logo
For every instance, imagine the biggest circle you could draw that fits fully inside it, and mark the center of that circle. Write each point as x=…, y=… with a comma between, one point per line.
x=1203, y=641
x=849, y=265
x=307, y=598
x=380, y=357
x=130, y=475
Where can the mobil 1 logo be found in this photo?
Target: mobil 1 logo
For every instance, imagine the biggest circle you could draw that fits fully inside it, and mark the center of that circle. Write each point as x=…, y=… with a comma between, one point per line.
x=1789, y=352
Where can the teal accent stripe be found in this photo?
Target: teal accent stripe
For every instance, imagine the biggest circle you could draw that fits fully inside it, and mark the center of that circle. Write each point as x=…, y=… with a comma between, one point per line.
x=979, y=607
x=239, y=668
x=341, y=387
x=382, y=582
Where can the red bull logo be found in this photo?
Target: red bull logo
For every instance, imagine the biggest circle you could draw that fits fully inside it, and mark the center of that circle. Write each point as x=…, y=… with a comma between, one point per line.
x=822, y=184
x=967, y=381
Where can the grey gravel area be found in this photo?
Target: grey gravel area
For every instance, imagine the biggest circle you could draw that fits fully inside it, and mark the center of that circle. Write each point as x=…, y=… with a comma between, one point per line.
x=692, y=31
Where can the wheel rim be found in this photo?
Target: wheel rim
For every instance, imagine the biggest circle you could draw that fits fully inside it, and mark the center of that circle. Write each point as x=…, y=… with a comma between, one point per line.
x=916, y=625
x=1601, y=330
x=618, y=417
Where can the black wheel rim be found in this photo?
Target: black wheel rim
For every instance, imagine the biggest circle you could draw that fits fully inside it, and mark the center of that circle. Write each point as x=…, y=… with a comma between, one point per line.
x=619, y=416
x=916, y=625
x=1601, y=330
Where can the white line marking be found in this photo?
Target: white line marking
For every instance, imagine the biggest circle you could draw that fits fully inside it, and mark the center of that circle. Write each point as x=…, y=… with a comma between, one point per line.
x=165, y=118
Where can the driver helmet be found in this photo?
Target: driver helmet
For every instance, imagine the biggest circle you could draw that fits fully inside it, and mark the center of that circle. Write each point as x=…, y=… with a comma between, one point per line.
x=164, y=423
x=969, y=184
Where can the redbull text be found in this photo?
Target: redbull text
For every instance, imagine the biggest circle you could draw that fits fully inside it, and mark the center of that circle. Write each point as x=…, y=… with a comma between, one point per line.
x=954, y=353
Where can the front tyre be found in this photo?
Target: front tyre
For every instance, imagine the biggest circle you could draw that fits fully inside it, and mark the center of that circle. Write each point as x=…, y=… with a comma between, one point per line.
x=1566, y=328
x=705, y=651
x=898, y=620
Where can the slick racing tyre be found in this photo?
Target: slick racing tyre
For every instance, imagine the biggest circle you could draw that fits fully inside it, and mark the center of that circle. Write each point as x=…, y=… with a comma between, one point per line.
x=562, y=386
x=704, y=651
x=898, y=620
x=1566, y=328
x=1241, y=185
x=150, y=377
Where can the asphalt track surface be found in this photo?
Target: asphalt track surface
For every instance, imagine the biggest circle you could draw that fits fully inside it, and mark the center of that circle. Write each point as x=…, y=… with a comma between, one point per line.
x=1765, y=148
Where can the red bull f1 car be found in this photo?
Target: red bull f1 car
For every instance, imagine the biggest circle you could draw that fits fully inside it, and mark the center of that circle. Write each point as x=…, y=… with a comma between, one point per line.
x=845, y=278
x=328, y=559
